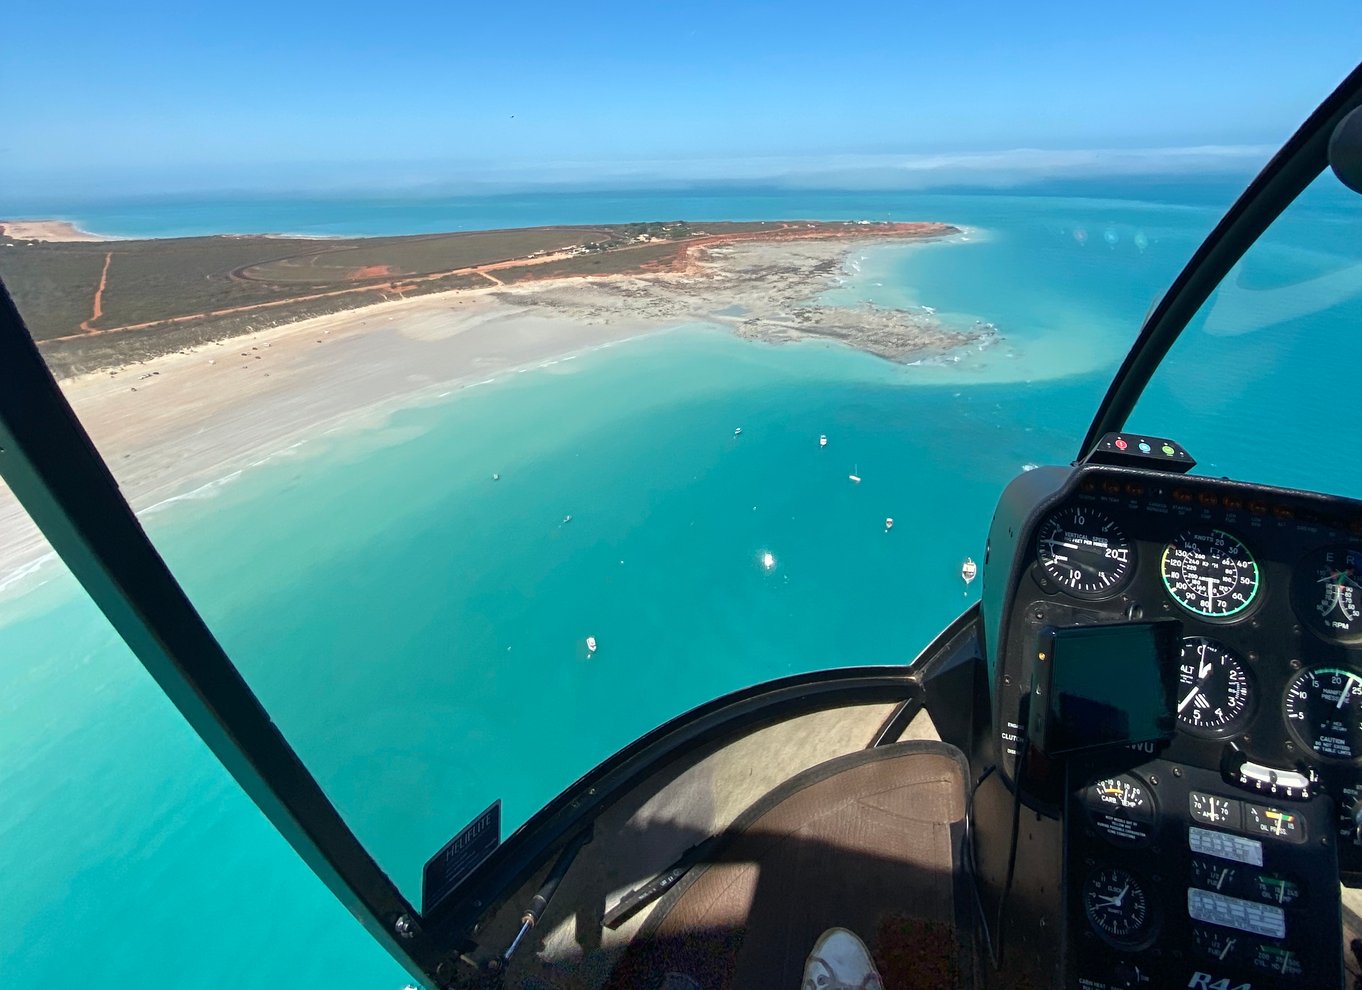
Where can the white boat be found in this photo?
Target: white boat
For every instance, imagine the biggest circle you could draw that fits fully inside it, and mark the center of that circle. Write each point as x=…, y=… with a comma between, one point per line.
x=968, y=570
x=889, y=524
x=855, y=478
x=768, y=560
x=590, y=645
x=823, y=440
x=738, y=432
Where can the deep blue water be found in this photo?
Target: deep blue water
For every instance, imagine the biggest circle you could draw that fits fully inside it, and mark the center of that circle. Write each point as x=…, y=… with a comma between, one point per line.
x=417, y=629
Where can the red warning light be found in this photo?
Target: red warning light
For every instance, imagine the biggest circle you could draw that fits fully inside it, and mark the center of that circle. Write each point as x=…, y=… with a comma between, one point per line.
x=1121, y=444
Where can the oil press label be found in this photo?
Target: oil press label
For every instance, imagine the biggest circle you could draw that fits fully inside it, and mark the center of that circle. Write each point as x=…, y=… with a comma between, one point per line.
x=460, y=855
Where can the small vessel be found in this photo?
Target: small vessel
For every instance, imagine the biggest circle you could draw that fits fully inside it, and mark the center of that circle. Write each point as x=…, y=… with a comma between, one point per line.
x=590, y=645
x=888, y=523
x=968, y=570
x=495, y=476
x=822, y=440
x=567, y=519
x=738, y=432
x=768, y=560
x=855, y=478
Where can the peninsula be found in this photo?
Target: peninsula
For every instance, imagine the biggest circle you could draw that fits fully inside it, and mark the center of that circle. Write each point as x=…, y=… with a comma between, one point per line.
x=102, y=305
x=189, y=359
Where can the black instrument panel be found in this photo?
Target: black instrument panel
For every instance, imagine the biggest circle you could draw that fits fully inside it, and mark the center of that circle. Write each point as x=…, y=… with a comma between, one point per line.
x=1190, y=856
x=1268, y=586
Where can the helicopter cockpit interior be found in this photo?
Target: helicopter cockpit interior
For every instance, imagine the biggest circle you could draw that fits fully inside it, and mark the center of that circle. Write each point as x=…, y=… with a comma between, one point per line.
x=1137, y=763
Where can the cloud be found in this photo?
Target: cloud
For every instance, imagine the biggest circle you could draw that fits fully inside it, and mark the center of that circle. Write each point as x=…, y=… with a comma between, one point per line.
x=1013, y=167
x=1000, y=169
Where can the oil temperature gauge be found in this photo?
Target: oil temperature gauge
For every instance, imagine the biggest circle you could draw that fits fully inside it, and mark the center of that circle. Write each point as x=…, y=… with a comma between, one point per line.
x=1121, y=809
x=1118, y=908
x=1276, y=889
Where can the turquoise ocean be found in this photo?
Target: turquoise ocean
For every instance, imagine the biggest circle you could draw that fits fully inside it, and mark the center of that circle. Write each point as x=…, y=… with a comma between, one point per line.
x=418, y=630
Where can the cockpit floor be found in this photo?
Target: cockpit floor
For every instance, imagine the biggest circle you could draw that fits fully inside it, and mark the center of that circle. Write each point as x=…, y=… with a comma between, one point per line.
x=868, y=842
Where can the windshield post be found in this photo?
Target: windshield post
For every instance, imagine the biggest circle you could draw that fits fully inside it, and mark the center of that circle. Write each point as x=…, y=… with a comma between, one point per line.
x=50, y=464
x=1291, y=170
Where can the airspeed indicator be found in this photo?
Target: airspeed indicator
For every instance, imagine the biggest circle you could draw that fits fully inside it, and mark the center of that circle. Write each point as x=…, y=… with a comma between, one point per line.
x=1209, y=573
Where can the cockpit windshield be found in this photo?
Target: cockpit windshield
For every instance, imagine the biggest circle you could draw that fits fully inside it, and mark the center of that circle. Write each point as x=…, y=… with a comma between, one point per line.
x=477, y=472
x=1260, y=384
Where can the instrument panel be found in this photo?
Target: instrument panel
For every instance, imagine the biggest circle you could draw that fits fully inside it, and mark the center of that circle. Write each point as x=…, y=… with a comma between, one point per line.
x=1217, y=853
x=1268, y=587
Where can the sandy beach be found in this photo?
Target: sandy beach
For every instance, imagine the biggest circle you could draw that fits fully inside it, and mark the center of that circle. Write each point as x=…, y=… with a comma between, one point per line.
x=172, y=424
x=46, y=230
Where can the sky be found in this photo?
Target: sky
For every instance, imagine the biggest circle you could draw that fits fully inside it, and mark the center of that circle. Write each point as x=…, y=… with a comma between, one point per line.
x=278, y=95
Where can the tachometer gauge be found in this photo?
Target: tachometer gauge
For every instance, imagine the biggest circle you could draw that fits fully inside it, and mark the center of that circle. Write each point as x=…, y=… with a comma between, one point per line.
x=1327, y=592
x=1210, y=573
x=1118, y=907
x=1324, y=711
x=1084, y=552
x=1214, y=690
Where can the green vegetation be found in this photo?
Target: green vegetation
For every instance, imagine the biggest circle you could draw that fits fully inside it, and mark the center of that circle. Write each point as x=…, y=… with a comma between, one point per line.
x=164, y=295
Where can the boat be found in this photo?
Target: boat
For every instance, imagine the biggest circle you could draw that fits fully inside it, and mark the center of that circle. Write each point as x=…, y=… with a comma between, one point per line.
x=889, y=524
x=768, y=560
x=968, y=570
x=1038, y=798
x=823, y=440
x=591, y=644
x=738, y=432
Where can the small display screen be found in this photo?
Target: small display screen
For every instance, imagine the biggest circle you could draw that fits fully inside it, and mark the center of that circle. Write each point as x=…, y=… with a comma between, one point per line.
x=1106, y=685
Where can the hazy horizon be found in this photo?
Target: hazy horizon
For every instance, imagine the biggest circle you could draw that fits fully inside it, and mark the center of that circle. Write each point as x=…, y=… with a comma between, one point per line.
x=1018, y=169
x=182, y=101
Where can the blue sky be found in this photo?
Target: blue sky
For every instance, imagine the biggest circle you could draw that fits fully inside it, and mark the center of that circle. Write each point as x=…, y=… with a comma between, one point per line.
x=185, y=96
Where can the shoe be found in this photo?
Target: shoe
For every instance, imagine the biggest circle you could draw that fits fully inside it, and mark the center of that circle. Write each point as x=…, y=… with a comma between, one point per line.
x=840, y=961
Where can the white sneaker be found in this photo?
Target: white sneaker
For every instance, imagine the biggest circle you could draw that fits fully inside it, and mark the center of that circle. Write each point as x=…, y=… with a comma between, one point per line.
x=840, y=961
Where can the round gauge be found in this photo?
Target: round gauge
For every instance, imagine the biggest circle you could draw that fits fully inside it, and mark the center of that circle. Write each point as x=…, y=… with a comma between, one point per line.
x=1121, y=809
x=1210, y=573
x=1084, y=552
x=1213, y=688
x=1117, y=907
x=1327, y=592
x=1324, y=711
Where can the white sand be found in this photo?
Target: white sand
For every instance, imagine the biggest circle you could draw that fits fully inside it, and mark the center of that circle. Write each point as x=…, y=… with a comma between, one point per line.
x=173, y=424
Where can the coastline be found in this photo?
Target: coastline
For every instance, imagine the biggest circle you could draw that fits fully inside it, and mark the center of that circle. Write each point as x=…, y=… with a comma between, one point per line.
x=174, y=424
x=53, y=231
